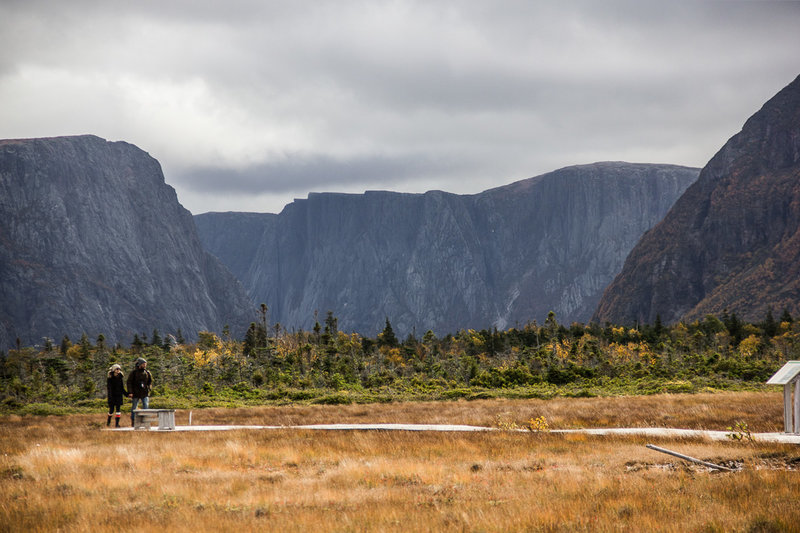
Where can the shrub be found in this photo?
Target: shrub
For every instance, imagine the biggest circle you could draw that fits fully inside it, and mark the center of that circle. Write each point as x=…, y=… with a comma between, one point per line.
x=333, y=399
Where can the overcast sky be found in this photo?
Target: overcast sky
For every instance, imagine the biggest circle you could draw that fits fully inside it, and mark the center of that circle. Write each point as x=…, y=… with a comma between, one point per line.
x=250, y=104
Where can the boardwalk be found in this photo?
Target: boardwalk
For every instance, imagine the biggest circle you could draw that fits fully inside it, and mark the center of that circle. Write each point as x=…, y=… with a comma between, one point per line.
x=646, y=432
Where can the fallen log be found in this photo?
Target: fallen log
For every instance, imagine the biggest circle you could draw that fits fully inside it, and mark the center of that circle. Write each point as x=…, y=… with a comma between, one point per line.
x=692, y=459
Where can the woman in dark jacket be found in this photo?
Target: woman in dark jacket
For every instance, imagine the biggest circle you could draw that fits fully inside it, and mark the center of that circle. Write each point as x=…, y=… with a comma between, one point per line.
x=116, y=392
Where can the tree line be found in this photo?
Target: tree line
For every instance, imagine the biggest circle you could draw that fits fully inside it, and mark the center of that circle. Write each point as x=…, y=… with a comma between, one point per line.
x=271, y=363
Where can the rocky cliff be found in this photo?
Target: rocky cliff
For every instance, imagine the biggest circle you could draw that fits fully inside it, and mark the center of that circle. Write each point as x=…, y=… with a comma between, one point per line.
x=442, y=261
x=93, y=241
x=731, y=242
x=235, y=236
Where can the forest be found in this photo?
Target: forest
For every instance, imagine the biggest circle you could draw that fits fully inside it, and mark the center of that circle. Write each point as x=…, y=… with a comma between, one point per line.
x=271, y=365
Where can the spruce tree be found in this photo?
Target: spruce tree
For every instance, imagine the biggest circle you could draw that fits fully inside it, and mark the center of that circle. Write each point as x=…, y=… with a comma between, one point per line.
x=734, y=326
x=250, y=340
x=770, y=326
x=387, y=337
x=331, y=323
x=156, y=339
x=85, y=347
x=136, y=344
x=65, y=344
x=658, y=329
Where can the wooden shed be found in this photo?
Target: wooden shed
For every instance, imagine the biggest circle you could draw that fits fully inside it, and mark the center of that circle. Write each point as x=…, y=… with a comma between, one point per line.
x=789, y=377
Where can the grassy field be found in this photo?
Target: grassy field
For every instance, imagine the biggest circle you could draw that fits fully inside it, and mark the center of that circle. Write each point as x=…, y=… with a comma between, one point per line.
x=65, y=473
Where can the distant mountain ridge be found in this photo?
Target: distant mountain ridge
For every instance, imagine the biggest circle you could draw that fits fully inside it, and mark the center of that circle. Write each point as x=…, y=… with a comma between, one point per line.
x=444, y=261
x=732, y=241
x=92, y=240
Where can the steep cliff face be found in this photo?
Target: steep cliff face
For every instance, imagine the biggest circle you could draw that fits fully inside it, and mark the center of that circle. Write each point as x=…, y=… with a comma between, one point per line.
x=93, y=241
x=235, y=236
x=731, y=241
x=445, y=262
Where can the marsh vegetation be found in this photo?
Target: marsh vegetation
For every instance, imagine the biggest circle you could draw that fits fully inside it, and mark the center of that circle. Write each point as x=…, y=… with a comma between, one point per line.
x=66, y=473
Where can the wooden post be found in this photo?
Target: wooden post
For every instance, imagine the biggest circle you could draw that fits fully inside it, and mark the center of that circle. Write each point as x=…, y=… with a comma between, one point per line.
x=788, y=426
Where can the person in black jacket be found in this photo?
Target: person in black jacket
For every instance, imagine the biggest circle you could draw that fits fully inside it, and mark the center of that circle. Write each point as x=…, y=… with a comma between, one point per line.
x=140, y=381
x=116, y=392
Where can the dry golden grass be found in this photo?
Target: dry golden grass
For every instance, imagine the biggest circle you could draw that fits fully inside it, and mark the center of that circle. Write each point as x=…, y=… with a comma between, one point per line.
x=65, y=474
x=762, y=411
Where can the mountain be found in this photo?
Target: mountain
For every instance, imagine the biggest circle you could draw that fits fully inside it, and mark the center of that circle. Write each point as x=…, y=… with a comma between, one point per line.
x=731, y=242
x=235, y=237
x=443, y=261
x=92, y=240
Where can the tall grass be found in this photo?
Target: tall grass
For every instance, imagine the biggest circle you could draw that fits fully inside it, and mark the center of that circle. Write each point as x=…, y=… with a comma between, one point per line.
x=64, y=473
x=762, y=411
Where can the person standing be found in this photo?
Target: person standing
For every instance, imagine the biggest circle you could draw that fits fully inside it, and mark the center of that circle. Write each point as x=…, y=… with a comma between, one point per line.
x=140, y=381
x=116, y=392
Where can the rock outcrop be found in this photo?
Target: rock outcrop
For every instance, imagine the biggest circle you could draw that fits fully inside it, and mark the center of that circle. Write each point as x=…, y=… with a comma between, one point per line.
x=93, y=241
x=443, y=261
x=731, y=242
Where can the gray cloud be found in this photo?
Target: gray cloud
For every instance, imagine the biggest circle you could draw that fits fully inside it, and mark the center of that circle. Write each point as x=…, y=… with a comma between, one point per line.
x=314, y=173
x=248, y=104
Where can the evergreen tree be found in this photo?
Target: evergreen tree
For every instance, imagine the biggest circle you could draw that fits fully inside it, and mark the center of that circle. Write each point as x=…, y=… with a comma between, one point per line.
x=263, y=324
x=770, y=326
x=65, y=345
x=169, y=342
x=136, y=344
x=255, y=338
x=658, y=328
x=786, y=317
x=367, y=345
x=156, y=340
x=551, y=325
x=85, y=347
x=734, y=326
x=387, y=336
x=331, y=324
x=317, y=330
x=250, y=340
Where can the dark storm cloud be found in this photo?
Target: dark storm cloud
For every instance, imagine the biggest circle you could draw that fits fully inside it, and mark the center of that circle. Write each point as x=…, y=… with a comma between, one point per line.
x=254, y=102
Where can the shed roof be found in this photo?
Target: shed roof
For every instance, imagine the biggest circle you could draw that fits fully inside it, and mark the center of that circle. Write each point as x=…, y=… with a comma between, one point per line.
x=786, y=374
